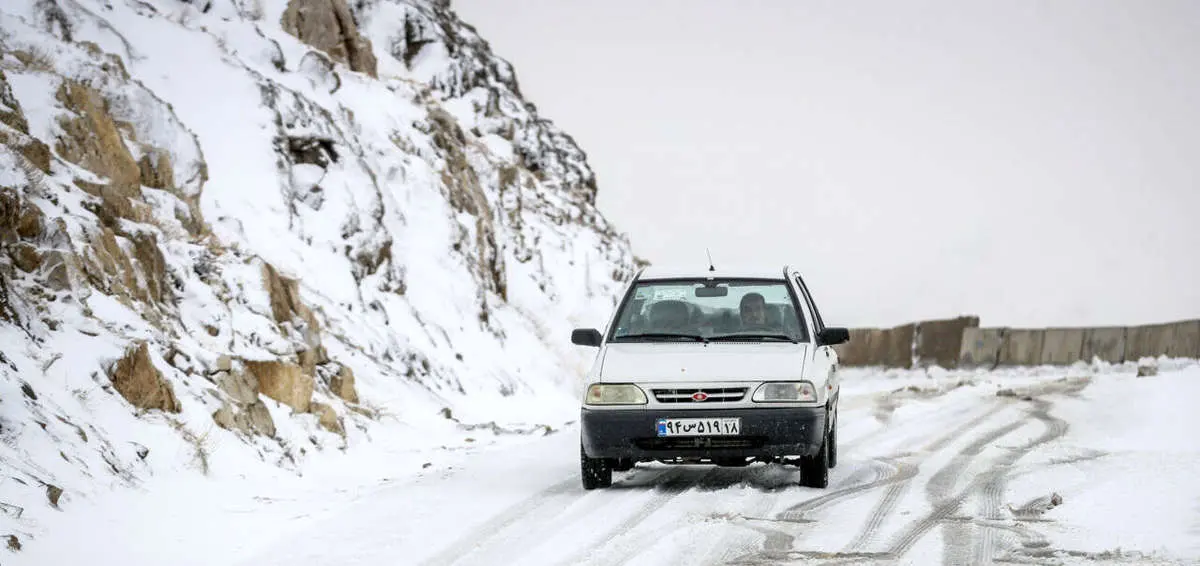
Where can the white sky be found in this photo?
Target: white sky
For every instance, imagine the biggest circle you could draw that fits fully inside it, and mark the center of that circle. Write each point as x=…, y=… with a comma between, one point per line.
x=1034, y=163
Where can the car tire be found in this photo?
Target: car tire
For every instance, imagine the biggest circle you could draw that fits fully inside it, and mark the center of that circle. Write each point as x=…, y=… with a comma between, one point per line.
x=596, y=472
x=814, y=470
x=833, y=444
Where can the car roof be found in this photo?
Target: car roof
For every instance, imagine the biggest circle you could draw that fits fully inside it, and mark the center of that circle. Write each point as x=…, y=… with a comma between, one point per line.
x=755, y=271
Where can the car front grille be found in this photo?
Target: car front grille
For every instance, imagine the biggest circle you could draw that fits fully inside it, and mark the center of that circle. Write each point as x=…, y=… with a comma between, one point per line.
x=714, y=395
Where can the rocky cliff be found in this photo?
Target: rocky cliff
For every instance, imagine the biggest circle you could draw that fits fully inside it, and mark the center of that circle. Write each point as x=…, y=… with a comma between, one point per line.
x=270, y=225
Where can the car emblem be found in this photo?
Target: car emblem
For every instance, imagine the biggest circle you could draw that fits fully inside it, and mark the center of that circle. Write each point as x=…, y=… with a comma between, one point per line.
x=699, y=396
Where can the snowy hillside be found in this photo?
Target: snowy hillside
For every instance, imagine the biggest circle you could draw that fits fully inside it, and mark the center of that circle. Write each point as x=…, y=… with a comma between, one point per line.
x=240, y=236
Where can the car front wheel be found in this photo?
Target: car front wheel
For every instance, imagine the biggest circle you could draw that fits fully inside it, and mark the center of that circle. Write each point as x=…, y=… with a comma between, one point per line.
x=833, y=443
x=596, y=472
x=814, y=470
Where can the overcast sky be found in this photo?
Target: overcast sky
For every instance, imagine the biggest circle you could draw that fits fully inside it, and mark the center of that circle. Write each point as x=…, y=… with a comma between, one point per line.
x=1035, y=163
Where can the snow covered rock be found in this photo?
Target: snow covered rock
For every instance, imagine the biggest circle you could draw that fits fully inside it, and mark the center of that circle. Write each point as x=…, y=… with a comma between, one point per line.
x=1147, y=367
x=329, y=26
x=137, y=380
x=264, y=226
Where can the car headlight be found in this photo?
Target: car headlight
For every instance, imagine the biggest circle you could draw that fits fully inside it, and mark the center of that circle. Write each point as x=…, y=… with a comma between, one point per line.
x=615, y=394
x=785, y=392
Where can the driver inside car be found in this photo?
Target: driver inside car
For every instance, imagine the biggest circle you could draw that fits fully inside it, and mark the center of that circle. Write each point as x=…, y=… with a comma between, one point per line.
x=754, y=311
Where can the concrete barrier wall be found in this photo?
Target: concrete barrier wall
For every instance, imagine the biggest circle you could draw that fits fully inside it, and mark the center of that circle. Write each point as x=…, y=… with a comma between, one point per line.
x=900, y=346
x=1175, y=339
x=980, y=347
x=1062, y=346
x=858, y=351
x=1107, y=344
x=938, y=342
x=930, y=342
x=1186, y=342
x=1022, y=347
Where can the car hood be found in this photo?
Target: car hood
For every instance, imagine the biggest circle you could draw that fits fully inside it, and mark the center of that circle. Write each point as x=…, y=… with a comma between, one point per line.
x=686, y=362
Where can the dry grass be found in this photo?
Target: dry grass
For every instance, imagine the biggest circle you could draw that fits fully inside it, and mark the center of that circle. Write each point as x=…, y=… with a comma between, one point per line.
x=202, y=444
x=35, y=59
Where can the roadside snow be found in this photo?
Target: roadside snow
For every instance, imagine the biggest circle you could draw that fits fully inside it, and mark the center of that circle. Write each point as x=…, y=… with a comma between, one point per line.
x=912, y=443
x=1128, y=469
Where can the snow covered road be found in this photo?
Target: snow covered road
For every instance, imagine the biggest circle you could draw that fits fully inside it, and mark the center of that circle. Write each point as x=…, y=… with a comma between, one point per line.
x=1078, y=466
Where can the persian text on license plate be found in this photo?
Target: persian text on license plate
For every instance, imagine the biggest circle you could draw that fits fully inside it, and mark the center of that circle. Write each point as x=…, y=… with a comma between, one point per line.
x=717, y=426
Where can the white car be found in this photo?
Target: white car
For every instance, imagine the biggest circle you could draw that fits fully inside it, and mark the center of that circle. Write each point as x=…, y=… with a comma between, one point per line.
x=707, y=366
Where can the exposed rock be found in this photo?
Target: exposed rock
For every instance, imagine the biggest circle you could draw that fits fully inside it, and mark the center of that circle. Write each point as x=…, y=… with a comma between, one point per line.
x=7, y=312
x=92, y=139
x=283, y=382
x=58, y=275
x=19, y=219
x=25, y=257
x=53, y=493
x=1147, y=368
x=251, y=419
x=14, y=543
x=224, y=363
x=328, y=418
x=312, y=150
x=139, y=382
x=153, y=267
x=29, y=226
x=107, y=267
x=10, y=214
x=32, y=149
x=329, y=25
x=342, y=385
x=311, y=358
x=241, y=386
x=36, y=152
x=284, y=294
x=10, y=109
x=466, y=195
x=157, y=172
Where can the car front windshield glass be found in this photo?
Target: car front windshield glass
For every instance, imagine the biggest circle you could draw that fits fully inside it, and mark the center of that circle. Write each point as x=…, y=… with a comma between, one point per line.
x=735, y=310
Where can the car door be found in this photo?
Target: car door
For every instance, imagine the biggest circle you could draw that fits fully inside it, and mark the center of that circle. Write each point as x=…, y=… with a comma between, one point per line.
x=824, y=356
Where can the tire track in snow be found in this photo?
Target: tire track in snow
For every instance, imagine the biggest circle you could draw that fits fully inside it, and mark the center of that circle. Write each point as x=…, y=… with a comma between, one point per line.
x=939, y=492
x=956, y=536
x=469, y=542
x=486, y=534
x=987, y=508
x=945, y=506
x=890, y=473
x=778, y=544
x=683, y=480
x=887, y=504
x=995, y=483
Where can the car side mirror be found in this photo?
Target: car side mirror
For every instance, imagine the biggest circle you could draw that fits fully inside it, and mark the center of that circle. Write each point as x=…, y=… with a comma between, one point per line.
x=586, y=337
x=833, y=335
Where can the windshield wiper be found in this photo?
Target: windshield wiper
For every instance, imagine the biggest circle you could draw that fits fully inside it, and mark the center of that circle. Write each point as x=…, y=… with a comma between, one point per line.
x=692, y=337
x=749, y=337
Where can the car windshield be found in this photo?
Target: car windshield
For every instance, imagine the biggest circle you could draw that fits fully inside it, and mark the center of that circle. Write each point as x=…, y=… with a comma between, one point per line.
x=736, y=310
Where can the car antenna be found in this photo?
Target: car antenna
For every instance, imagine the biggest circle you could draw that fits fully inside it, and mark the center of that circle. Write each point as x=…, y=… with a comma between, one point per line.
x=710, y=262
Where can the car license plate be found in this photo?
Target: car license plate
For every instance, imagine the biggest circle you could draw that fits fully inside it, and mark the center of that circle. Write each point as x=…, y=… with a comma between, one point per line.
x=718, y=426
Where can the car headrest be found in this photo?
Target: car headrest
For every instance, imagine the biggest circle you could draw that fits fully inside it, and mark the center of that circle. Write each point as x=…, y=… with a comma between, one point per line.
x=669, y=313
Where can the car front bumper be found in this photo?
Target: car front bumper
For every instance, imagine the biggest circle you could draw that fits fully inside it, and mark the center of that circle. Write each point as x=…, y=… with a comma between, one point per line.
x=765, y=432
